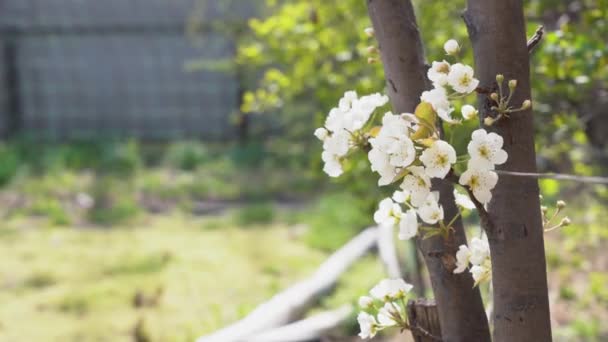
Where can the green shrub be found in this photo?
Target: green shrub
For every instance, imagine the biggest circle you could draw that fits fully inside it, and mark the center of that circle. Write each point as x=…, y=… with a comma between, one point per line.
x=9, y=164
x=120, y=159
x=334, y=220
x=52, y=209
x=252, y=154
x=258, y=213
x=187, y=155
x=115, y=201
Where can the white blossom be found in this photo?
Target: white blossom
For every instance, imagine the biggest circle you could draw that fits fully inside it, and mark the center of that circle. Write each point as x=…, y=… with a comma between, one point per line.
x=386, y=314
x=462, y=259
x=321, y=133
x=438, y=99
x=468, y=112
x=451, y=47
x=353, y=112
x=463, y=201
x=388, y=213
x=341, y=123
x=480, y=250
x=431, y=212
x=338, y=143
x=418, y=184
x=400, y=196
x=345, y=103
x=332, y=166
x=480, y=181
x=408, y=225
x=336, y=120
x=438, y=159
x=380, y=163
x=367, y=324
x=392, y=149
x=478, y=255
x=438, y=73
x=461, y=78
x=482, y=272
x=390, y=289
x=486, y=150
x=366, y=302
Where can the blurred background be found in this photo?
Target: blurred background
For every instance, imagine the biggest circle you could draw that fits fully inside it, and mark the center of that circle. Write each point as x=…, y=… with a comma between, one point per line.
x=159, y=177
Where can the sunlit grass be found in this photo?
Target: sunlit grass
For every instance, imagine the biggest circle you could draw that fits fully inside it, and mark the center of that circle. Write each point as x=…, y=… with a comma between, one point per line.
x=81, y=284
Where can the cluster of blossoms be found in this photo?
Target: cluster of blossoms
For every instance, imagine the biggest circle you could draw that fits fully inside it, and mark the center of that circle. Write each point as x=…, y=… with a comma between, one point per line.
x=478, y=255
x=408, y=151
x=384, y=308
x=485, y=150
x=343, y=127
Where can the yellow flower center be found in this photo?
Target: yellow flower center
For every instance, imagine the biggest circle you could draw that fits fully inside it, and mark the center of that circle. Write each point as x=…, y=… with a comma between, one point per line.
x=474, y=182
x=484, y=151
x=441, y=159
x=421, y=182
x=465, y=80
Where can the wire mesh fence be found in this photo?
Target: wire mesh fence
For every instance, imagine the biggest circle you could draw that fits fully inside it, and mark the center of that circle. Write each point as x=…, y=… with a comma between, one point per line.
x=73, y=69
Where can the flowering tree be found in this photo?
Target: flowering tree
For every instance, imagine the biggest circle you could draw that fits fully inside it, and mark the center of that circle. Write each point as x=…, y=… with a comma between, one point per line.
x=411, y=152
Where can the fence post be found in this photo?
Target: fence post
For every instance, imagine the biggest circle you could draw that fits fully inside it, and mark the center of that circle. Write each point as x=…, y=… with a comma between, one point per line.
x=13, y=114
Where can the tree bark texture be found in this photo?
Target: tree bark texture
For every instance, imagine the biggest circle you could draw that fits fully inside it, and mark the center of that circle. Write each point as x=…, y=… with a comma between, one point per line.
x=521, y=306
x=461, y=313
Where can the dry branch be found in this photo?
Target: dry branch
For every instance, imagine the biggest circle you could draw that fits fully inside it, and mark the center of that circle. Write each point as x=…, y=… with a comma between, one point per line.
x=387, y=251
x=309, y=329
x=290, y=304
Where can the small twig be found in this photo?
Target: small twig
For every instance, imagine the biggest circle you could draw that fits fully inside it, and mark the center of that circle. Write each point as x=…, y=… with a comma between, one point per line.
x=558, y=176
x=423, y=332
x=536, y=38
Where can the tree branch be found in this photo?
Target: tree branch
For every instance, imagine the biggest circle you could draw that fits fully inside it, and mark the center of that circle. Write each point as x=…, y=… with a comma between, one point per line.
x=535, y=39
x=558, y=176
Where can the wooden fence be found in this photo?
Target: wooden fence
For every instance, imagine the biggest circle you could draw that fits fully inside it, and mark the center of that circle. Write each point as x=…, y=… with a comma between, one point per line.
x=72, y=69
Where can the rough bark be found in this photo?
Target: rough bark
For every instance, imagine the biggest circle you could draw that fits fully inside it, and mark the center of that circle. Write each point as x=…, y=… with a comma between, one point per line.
x=521, y=307
x=461, y=311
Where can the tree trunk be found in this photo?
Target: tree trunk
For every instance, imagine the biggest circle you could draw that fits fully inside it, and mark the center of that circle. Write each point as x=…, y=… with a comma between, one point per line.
x=521, y=306
x=461, y=313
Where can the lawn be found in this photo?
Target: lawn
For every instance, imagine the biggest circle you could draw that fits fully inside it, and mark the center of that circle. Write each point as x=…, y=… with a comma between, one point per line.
x=170, y=278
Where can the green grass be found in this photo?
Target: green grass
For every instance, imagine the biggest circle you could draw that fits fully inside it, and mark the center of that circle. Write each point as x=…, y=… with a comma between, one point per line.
x=80, y=284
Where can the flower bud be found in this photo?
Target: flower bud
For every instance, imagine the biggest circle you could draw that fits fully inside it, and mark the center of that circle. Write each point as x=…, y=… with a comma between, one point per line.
x=371, y=60
x=526, y=105
x=488, y=121
x=561, y=204
x=369, y=32
x=451, y=47
x=565, y=222
x=494, y=97
x=468, y=112
x=544, y=209
x=372, y=50
x=512, y=84
x=500, y=78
